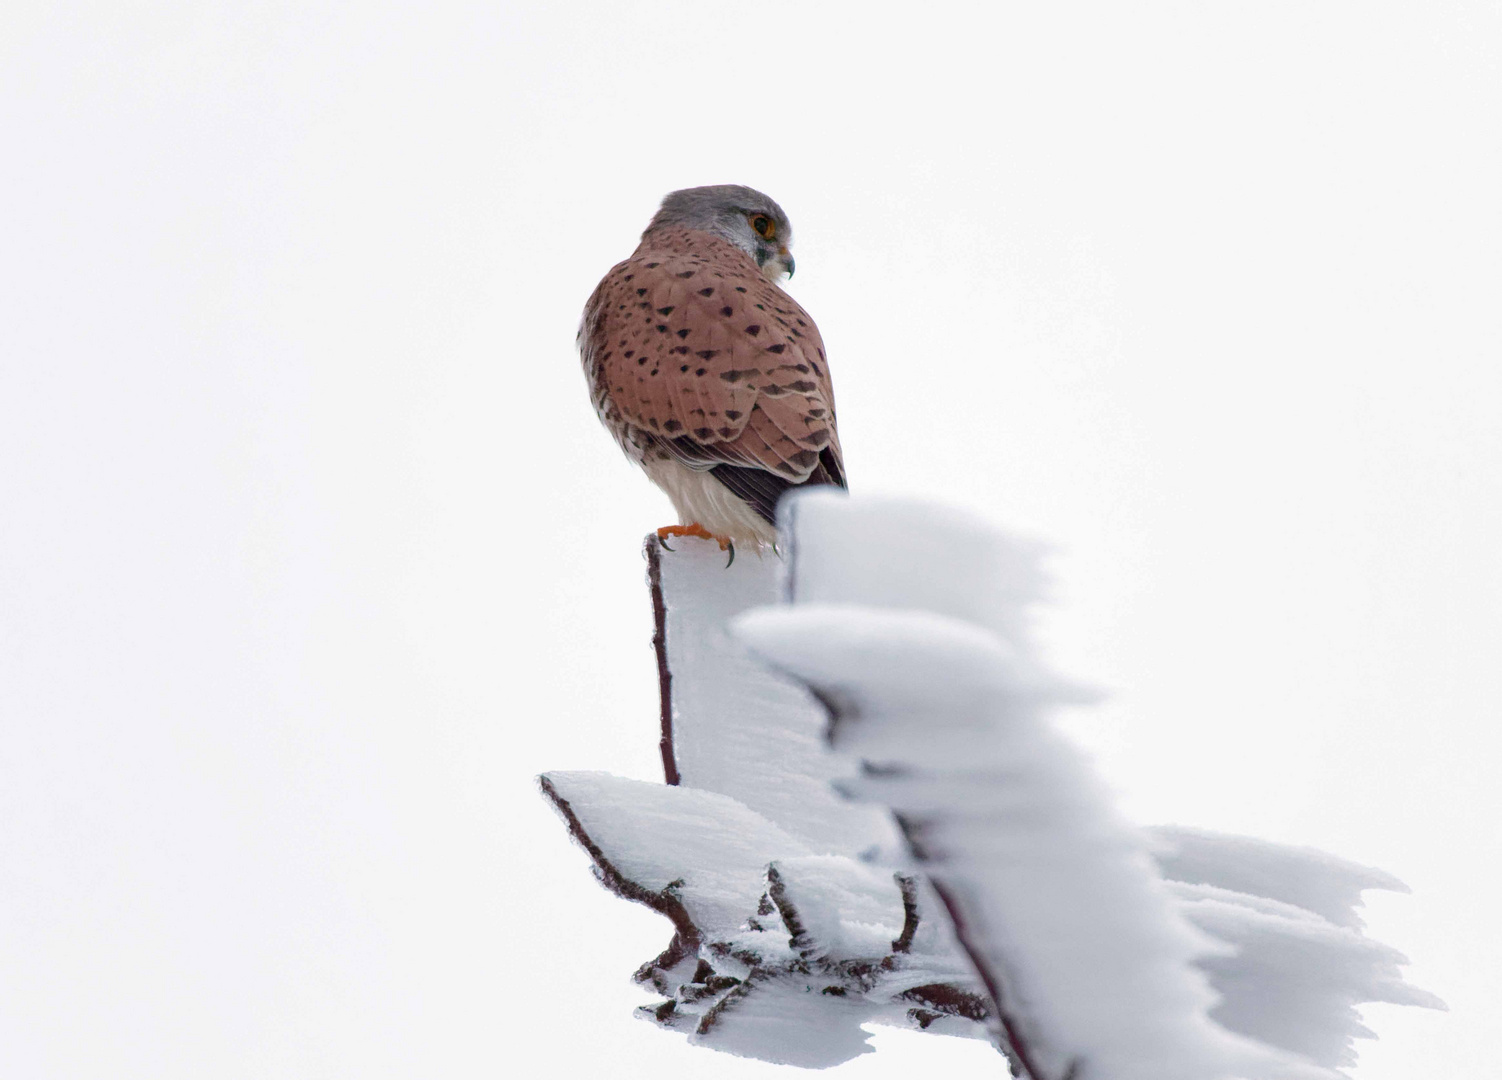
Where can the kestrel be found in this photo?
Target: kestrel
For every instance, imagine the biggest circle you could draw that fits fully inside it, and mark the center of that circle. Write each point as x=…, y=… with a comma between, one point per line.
x=710, y=377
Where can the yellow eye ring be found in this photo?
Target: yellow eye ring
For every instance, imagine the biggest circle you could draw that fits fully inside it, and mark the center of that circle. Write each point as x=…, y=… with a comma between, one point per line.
x=765, y=227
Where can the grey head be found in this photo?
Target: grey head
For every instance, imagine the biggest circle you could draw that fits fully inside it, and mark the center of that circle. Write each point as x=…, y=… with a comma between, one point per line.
x=743, y=216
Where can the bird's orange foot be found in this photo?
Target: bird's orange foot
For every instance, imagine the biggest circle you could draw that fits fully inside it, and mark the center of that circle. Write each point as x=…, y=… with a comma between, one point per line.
x=693, y=530
x=696, y=530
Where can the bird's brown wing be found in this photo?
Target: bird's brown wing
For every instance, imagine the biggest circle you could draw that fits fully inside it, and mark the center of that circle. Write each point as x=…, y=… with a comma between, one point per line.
x=694, y=353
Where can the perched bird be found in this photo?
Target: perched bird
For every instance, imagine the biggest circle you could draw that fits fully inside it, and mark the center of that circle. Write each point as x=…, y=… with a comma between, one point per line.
x=710, y=377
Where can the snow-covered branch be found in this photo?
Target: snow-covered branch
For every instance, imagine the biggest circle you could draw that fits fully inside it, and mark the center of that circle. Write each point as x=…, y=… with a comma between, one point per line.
x=870, y=817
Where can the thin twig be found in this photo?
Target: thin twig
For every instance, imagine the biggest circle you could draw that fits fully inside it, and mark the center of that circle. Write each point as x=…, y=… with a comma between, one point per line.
x=660, y=645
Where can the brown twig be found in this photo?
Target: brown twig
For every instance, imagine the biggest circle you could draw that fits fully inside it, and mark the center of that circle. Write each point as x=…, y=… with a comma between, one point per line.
x=686, y=938
x=908, y=886
x=1020, y=1054
x=798, y=935
x=660, y=645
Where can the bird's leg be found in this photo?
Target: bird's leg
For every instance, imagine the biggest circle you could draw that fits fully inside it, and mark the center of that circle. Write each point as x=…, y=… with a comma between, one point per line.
x=696, y=530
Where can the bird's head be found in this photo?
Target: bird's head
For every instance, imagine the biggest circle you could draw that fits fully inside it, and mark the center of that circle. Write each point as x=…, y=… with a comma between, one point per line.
x=743, y=216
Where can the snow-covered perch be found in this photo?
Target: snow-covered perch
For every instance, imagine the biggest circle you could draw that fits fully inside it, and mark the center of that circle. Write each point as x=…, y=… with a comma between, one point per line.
x=793, y=923
x=981, y=882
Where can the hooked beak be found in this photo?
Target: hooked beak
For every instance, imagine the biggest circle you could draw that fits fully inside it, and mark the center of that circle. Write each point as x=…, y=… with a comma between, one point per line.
x=773, y=266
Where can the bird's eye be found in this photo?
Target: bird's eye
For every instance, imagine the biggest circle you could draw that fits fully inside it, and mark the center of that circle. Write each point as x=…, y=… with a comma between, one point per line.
x=764, y=226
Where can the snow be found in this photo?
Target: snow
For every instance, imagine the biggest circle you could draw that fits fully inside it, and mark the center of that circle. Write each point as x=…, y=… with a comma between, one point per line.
x=911, y=555
x=1301, y=964
x=735, y=730
x=778, y=954
x=710, y=852
x=1295, y=978
x=1058, y=898
x=1315, y=880
x=876, y=821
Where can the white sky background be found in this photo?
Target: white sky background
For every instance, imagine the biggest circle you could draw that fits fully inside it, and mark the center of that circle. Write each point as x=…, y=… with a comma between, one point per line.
x=312, y=552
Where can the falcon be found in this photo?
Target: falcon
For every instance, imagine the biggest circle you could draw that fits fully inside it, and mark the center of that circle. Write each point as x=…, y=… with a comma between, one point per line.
x=710, y=377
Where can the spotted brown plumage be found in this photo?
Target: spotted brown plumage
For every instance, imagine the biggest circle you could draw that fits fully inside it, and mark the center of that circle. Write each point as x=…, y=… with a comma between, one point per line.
x=709, y=376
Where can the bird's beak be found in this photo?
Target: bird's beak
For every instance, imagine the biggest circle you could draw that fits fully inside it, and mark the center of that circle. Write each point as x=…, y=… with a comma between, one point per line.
x=787, y=260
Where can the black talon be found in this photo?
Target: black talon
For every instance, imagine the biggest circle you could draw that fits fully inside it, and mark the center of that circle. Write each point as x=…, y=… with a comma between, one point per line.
x=731, y=545
x=663, y=541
